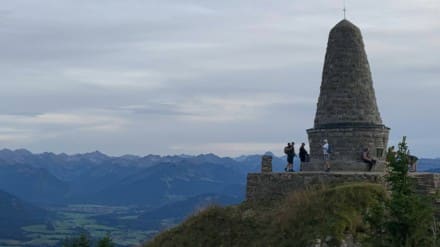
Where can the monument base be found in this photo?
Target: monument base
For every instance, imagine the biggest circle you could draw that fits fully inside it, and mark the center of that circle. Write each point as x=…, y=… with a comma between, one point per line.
x=342, y=165
x=348, y=143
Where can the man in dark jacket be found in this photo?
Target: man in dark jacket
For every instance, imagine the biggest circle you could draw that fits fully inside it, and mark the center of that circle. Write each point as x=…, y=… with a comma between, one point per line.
x=303, y=155
x=289, y=150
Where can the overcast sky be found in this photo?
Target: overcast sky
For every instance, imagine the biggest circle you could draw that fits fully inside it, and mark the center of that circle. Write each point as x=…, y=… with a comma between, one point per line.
x=190, y=76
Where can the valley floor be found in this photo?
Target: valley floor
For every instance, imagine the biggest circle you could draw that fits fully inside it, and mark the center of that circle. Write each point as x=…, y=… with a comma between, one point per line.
x=97, y=220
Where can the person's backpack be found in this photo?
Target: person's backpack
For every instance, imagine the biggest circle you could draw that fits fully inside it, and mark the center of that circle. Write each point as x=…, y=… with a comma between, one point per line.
x=330, y=149
x=286, y=150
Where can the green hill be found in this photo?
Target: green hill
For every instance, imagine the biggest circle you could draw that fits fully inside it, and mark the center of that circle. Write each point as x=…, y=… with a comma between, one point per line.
x=299, y=220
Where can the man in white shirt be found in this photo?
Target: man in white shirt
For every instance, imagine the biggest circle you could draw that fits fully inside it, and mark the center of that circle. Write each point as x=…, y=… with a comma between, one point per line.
x=326, y=152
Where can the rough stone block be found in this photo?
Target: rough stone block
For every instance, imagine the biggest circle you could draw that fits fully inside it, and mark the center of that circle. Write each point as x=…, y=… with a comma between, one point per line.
x=266, y=163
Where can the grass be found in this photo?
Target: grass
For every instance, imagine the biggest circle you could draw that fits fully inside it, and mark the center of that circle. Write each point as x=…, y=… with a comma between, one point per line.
x=299, y=220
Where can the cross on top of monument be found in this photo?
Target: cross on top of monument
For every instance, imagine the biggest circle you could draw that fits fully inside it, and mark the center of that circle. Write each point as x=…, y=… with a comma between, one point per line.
x=345, y=10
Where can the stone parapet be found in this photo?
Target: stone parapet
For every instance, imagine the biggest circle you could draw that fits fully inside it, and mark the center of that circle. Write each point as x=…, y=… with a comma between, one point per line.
x=274, y=186
x=427, y=183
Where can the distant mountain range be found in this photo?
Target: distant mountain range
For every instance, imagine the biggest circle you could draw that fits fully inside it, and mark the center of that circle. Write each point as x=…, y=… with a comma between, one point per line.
x=429, y=165
x=49, y=178
x=163, y=187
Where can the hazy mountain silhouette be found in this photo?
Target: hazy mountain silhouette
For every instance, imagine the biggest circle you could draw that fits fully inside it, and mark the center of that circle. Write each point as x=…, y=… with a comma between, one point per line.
x=15, y=213
x=429, y=165
x=31, y=183
x=150, y=180
x=129, y=179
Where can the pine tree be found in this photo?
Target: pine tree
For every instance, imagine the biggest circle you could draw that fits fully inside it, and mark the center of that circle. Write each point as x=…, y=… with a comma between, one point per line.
x=409, y=217
x=106, y=242
x=81, y=241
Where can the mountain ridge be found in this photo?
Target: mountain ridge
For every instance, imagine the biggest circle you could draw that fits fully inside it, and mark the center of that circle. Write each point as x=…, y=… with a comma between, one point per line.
x=16, y=213
x=95, y=177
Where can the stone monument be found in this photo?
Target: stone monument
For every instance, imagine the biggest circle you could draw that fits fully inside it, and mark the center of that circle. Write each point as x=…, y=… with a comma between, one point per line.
x=348, y=117
x=347, y=114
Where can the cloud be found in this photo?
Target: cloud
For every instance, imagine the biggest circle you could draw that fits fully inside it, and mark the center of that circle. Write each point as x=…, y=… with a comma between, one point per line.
x=230, y=148
x=114, y=78
x=155, y=109
x=26, y=129
x=146, y=76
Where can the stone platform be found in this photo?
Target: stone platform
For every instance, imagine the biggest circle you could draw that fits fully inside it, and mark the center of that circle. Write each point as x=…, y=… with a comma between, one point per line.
x=273, y=186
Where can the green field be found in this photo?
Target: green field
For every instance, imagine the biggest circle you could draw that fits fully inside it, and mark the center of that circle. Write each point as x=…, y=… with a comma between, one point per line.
x=73, y=219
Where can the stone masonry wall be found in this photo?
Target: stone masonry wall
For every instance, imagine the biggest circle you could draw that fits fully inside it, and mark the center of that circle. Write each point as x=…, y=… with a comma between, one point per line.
x=347, y=94
x=342, y=166
x=348, y=143
x=274, y=186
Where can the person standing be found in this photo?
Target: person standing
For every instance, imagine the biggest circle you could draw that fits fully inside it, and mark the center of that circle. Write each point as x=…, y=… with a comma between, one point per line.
x=293, y=155
x=287, y=150
x=326, y=151
x=412, y=162
x=290, y=152
x=303, y=155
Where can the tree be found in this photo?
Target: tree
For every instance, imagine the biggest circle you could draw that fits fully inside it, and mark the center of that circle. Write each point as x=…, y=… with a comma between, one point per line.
x=407, y=218
x=106, y=242
x=81, y=241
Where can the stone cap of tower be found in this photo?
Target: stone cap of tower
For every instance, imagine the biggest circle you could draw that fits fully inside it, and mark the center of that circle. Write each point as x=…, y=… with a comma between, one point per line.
x=347, y=95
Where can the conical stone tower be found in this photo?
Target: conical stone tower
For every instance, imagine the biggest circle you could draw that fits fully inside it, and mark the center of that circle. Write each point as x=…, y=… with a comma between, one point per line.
x=347, y=114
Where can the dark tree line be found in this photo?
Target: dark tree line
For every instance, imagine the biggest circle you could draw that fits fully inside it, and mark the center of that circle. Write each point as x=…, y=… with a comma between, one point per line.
x=84, y=240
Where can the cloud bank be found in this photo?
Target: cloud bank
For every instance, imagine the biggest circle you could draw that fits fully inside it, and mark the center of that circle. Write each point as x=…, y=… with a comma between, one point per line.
x=228, y=77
